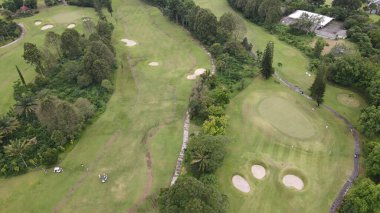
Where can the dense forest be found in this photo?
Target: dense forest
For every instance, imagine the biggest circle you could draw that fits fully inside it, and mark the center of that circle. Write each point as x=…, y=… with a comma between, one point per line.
x=9, y=31
x=72, y=86
x=235, y=64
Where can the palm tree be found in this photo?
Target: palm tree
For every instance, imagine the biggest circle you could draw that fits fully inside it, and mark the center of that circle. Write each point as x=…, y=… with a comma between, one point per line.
x=26, y=106
x=8, y=125
x=18, y=147
x=200, y=160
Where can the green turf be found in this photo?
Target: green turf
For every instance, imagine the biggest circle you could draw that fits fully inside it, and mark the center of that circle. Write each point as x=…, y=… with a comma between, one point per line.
x=323, y=161
x=293, y=123
x=295, y=63
x=149, y=102
x=12, y=55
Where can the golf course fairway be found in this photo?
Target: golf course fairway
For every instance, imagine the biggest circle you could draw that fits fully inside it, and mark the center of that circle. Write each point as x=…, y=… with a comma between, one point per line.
x=137, y=139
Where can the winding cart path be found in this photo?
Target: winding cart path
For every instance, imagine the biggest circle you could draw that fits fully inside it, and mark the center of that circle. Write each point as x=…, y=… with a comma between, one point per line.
x=355, y=173
x=19, y=38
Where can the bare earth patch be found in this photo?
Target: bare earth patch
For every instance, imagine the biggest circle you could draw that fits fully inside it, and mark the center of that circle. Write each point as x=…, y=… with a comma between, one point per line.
x=258, y=171
x=197, y=72
x=129, y=43
x=293, y=181
x=241, y=184
x=70, y=26
x=154, y=64
x=348, y=100
x=37, y=23
x=46, y=27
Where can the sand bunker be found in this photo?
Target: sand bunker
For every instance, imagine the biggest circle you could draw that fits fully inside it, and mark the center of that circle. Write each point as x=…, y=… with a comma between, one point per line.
x=70, y=26
x=46, y=27
x=37, y=23
x=154, y=64
x=348, y=100
x=129, y=43
x=197, y=72
x=293, y=181
x=240, y=183
x=258, y=171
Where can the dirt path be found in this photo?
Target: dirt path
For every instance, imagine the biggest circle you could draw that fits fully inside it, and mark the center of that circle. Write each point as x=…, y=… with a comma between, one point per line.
x=355, y=173
x=148, y=159
x=61, y=204
x=23, y=31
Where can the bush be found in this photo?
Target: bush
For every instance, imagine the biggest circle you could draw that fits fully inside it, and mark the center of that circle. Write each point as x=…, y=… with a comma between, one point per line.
x=49, y=157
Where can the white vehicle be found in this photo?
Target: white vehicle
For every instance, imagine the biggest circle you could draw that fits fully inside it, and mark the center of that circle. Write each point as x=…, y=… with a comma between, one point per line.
x=57, y=169
x=103, y=178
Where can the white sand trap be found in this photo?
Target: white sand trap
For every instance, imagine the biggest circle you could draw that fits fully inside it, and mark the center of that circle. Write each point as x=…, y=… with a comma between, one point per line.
x=46, y=27
x=154, y=64
x=293, y=181
x=129, y=43
x=197, y=72
x=71, y=26
x=240, y=183
x=37, y=23
x=258, y=171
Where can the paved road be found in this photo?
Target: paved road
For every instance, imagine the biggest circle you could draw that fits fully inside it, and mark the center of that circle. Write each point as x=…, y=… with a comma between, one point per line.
x=355, y=173
x=19, y=38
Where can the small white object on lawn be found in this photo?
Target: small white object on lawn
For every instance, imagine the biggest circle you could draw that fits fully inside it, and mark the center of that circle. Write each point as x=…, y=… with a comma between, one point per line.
x=241, y=184
x=154, y=64
x=37, y=23
x=129, y=43
x=197, y=72
x=309, y=75
x=57, y=169
x=258, y=171
x=293, y=181
x=46, y=27
x=70, y=26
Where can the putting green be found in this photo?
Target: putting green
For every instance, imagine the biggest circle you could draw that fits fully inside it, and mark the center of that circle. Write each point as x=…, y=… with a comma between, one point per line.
x=286, y=117
x=348, y=100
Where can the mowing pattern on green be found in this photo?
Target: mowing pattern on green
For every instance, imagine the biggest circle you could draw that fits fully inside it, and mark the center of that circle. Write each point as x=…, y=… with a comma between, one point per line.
x=284, y=116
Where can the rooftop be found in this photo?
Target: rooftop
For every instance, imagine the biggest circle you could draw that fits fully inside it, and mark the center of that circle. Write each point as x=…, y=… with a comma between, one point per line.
x=325, y=19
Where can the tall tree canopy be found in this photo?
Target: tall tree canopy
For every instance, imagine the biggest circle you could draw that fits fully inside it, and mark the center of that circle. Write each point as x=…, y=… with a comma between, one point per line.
x=205, y=153
x=267, y=69
x=189, y=195
x=364, y=197
x=317, y=89
x=348, y=4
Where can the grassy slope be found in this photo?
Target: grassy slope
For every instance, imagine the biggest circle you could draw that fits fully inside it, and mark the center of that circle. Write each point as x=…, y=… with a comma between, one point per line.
x=145, y=97
x=325, y=173
x=295, y=64
x=10, y=56
x=324, y=160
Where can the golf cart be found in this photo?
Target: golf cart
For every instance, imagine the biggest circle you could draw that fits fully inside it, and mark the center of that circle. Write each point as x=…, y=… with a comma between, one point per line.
x=103, y=178
x=57, y=169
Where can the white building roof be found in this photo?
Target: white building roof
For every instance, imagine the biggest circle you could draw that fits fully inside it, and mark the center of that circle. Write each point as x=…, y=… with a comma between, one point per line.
x=298, y=14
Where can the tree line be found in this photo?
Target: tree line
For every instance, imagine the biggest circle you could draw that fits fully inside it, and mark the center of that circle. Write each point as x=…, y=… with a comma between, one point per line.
x=234, y=64
x=72, y=87
x=9, y=31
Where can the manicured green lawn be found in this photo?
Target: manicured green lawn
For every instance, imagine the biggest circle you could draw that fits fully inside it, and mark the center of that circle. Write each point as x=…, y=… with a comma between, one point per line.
x=294, y=63
x=11, y=56
x=148, y=103
x=264, y=132
x=322, y=159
